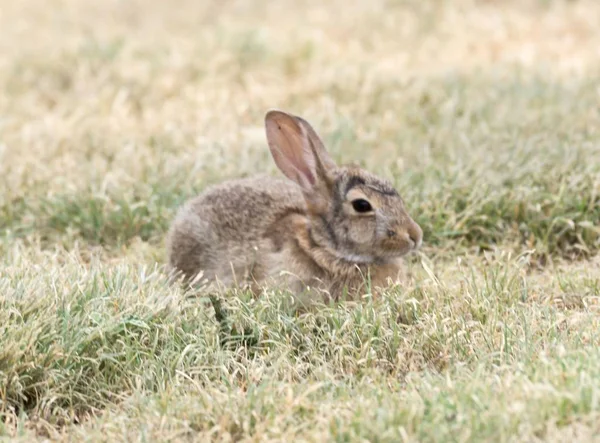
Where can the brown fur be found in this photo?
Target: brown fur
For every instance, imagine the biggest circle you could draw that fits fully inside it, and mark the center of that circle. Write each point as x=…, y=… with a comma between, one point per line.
x=302, y=232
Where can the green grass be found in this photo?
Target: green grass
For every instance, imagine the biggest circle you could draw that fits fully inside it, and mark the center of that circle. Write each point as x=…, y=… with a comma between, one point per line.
x=114, y=340
x=112, y=115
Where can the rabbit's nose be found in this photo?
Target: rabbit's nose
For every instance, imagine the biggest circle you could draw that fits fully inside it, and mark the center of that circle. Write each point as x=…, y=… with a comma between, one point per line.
x=415, y=233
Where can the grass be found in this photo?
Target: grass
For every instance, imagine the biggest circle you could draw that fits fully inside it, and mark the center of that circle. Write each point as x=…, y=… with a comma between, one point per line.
x=484, y=114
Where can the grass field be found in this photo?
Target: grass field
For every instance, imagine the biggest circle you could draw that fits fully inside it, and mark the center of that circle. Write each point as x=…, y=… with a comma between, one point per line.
x=486, y=116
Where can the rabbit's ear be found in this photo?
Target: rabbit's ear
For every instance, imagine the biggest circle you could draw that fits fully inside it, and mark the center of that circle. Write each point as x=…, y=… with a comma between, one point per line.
x=297, y=149
x=324, y=159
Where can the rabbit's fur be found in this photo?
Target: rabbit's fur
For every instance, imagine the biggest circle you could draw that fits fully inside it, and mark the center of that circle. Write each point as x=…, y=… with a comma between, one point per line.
x=303, y=232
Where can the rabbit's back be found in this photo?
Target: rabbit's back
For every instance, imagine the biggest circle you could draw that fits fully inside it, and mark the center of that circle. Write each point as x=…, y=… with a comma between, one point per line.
x=227, y=231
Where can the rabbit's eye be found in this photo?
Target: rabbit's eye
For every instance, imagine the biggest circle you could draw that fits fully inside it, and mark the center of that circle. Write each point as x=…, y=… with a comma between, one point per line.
x=361, y=205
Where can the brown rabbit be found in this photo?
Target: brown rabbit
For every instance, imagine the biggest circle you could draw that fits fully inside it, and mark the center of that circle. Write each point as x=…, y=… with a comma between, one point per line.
x=325, y=227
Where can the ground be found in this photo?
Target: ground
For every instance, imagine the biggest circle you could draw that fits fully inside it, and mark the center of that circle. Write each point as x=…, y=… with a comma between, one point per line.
x=484, y=114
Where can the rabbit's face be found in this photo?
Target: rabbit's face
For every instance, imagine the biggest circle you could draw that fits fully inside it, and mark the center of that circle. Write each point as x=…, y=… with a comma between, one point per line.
x=369, y=220
x=357, y=215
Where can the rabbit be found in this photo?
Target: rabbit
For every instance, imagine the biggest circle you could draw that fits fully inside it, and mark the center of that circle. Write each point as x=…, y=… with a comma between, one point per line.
x=323, y=229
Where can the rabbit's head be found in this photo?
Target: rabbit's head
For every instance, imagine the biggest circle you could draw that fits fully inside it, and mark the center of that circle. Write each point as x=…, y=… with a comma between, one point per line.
x=354, y=214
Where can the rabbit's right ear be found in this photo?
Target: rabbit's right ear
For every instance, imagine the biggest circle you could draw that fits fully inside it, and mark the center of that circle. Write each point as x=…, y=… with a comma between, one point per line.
x=297, y=149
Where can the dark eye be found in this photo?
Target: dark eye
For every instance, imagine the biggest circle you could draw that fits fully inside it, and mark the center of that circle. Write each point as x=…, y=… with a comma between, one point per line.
x=361, y=205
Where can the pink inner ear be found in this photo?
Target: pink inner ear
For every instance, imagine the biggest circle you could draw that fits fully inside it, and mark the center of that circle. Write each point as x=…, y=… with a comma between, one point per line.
x=291, y=150
x=296, y=171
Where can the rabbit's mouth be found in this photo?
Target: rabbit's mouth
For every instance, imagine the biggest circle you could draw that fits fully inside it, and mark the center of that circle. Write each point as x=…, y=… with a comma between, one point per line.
x=400, y=244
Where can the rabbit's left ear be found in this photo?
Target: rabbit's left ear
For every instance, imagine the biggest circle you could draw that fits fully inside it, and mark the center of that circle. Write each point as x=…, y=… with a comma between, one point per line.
x=297, y=150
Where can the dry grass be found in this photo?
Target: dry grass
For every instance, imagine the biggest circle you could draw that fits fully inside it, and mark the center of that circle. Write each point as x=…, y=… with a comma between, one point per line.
x=484, y=113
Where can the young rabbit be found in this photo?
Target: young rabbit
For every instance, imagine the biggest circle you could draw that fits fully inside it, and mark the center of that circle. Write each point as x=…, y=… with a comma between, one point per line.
x=324, y=228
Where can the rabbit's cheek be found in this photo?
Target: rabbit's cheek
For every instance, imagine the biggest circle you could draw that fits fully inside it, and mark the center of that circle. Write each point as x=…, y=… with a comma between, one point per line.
x=362, y=231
